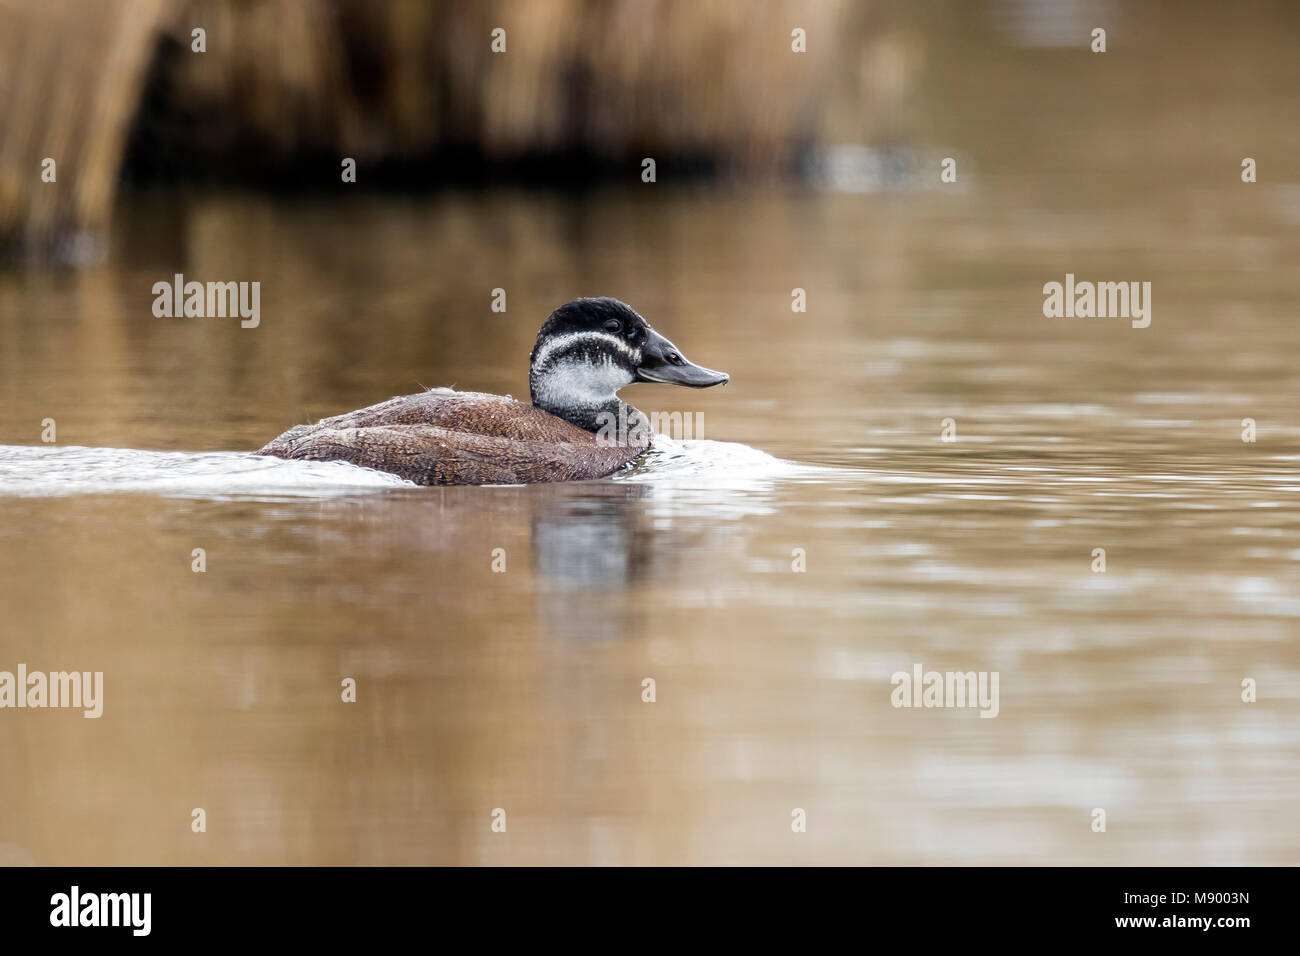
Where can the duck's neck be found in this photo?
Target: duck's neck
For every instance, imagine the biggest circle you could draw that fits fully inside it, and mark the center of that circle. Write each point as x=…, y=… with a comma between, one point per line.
x=591, y=418
x=585, y=394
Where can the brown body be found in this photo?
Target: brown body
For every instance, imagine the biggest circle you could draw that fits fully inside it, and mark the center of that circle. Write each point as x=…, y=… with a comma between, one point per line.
x=444, y=437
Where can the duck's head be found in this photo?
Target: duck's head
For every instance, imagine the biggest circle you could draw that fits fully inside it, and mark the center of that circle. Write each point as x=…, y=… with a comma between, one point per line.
x=590, y=348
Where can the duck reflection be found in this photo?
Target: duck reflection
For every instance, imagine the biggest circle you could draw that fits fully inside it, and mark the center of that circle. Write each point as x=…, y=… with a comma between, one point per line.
x=593, y=537
x=588, y=543
x=576, y=554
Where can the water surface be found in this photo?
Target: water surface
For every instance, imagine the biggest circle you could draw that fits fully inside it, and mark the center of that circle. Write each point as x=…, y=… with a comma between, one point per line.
x=522, y=690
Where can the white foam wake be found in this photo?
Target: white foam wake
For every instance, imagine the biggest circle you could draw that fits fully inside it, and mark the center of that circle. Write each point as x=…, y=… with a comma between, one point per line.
x=56, y=471
x=59, y=471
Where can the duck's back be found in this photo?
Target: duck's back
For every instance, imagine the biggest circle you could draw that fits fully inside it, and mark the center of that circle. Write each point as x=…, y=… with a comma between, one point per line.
x=445, y=437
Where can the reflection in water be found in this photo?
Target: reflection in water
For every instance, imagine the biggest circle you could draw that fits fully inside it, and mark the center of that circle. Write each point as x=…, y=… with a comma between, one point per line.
x=590, y=546
x=593, y=539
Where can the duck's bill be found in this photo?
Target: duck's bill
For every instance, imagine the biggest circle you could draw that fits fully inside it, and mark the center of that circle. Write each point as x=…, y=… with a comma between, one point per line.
x=663, y=363
x=690, y=375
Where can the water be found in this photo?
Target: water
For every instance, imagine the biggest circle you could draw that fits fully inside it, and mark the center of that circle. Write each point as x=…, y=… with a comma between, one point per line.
x=522, y=690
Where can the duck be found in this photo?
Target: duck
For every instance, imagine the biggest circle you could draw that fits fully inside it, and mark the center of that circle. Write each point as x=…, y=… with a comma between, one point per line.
x=575, y=428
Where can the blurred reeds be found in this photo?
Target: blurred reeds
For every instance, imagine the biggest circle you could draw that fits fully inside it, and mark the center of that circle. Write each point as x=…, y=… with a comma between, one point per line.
x=289, y=84
x=70, y=79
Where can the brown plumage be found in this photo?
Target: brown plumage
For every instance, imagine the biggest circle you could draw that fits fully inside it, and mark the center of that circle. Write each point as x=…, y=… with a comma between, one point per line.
x=443, y=437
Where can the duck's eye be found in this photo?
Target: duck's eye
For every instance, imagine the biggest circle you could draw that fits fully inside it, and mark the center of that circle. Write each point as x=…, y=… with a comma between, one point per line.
x=613, y=326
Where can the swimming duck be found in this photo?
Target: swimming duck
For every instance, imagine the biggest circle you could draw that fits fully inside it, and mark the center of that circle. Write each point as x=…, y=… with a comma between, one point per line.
x=576, y=427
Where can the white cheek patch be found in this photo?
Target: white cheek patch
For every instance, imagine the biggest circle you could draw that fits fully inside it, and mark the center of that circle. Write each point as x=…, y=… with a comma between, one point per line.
x=578, y=383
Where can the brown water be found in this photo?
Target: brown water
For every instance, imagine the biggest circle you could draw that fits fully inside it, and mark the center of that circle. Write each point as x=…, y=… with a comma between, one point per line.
x=522, y=690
